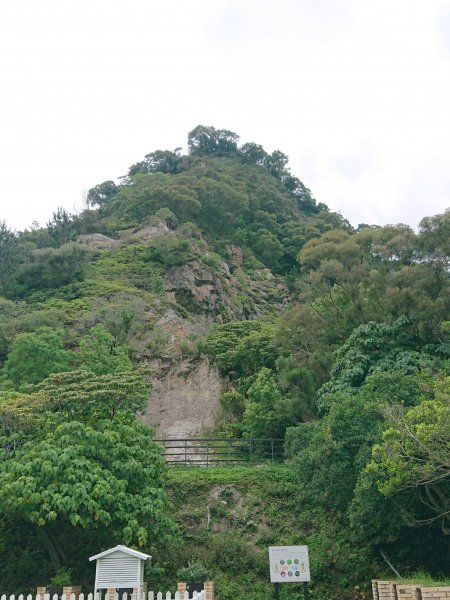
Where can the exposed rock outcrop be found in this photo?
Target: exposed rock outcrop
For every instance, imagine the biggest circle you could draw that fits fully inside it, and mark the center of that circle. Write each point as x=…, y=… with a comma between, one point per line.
x=98, y=240
x=201, y=291
x=185, y=398
x=147, y=233
x=176, y=329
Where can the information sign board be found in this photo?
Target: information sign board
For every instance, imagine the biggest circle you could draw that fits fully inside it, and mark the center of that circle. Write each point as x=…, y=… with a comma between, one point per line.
x=289, y=564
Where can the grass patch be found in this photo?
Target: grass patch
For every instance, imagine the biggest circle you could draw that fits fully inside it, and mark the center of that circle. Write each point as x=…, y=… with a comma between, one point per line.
x=425, y=579
x=230, y=515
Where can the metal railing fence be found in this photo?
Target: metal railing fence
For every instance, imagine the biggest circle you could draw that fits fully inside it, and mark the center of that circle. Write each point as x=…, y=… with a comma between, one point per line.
x=208, y=452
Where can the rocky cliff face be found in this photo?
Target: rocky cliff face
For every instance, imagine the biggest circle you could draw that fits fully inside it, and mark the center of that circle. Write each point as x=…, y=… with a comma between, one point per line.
x=204, y=291
x=201, y=291
x=221, y=295
x=185, y=398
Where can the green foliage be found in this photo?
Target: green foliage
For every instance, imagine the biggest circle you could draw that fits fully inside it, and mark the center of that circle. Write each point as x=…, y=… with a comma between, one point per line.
x=236, y=552
x=212, y=259
x=241, y=346
x=83, y=395
x=263, y=409
x=194, y=572
x=434, y=235
x=147, y=194
x=36, y=355
x=8, y=326
x=423, y=578
x=60, y=228
x=158, y=342
x=268, y=249
x=102, y=194
x=253, y=154
x=170, y=252
x=372, y=348
x=24, y=565
x=302, y=340
x=161, y=161
x=131, y=265
x=110, y=476
x=223, y=204
x=52, y=267
x=124, y=316
x=337, y=244
x=76, y=459
x=225, y=191
x=235, y=557
x=331, y=458
x=100, y=353
x=166, y=215
x=208, y=140
x=413, y=458
x=62, y=578
x=8, y=256
x=297, y=382
x=330, y=454
x=233, y=404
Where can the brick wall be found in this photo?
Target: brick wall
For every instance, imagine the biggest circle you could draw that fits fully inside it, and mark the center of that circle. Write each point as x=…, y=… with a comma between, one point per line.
x=392, y=590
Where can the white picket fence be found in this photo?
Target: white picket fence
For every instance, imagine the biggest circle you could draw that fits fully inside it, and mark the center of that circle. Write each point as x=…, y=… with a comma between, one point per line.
x=143, y=596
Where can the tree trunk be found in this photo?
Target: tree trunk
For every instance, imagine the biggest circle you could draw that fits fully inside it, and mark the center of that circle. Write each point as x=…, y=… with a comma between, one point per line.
x=55, y=554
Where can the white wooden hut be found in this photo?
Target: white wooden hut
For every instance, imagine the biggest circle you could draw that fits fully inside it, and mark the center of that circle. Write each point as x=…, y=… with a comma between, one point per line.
x=120, y=568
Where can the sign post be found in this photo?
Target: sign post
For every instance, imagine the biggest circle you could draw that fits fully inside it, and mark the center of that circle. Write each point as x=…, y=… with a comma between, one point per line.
x=289, y=564
x=277, y=590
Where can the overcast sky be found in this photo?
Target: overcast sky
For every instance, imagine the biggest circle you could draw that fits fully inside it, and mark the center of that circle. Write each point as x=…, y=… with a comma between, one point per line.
x=356, y=92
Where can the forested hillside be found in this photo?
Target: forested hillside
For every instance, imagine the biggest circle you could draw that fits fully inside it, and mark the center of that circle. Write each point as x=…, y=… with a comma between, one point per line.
x=218, y=267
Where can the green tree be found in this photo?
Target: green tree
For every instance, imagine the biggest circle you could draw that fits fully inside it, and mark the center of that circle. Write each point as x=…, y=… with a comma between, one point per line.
x=36, y=355
x=328, y=455
x=70, y=396
x=101, y=354
x=209, y=140
x=150, y=192
x=52, y=267
x=85, y=396
x=8, y=257
x=268, y=249
x=375, y=347
x=263, y=413
x=102, y=193
x=414, y=458
x=8, y=326
x=242, y=347
x=60, y=228
x=160, y=161
x=253, y=154
x=434, y=236
x=276, y=164
x=109, y=477
x=335, y=244
x=170, y=252
x=223, y=205
x=302, y=339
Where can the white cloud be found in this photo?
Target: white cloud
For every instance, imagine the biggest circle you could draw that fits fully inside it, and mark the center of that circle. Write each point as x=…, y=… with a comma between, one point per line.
x=355, y=92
